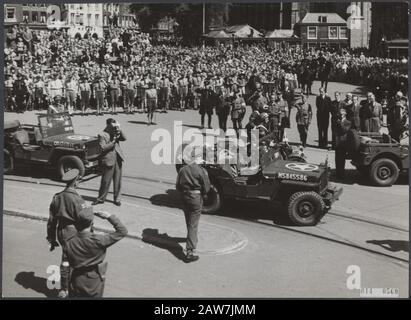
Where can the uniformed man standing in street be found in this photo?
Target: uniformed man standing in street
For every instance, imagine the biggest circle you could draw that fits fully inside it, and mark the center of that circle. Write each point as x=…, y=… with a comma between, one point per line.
x=86, y=252
x=193, y=183
x=341, y=147
x=394, y=117
x=66, y=208
x=111, y=161
x=323, y=104
x=303, y=118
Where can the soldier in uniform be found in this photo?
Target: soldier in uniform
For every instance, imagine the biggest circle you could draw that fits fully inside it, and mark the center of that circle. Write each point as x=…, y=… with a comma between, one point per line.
x=303, y=118
x=207, y=103
x=193, y=184
x=257, y=100
x=394, y=117
x=85, y=92
x=182, y=91
x=323, y=104
x=114, y=85
x=86, y=252
x=99, y=91
x=56, y=106
x=130, y=93
x=164, y=93
x=342, y=147
x=66, y=208
x=238, y=111
x=275, y=116
x=222, y=110
x=151, y=99
x=336, y=106
x=370, y=114
x=111, y=161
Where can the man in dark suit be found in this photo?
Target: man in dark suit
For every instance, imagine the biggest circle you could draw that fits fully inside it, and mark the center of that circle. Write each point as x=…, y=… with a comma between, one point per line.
x=323, y=103
x=111, y=161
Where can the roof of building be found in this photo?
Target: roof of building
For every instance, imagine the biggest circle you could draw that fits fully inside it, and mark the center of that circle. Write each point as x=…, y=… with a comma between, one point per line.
x=281, y=33
x=217, y=34
x=313, y=18
x=243, y=31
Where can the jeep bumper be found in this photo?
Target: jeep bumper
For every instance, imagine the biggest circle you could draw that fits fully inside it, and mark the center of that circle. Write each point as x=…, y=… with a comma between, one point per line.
x=331, y=194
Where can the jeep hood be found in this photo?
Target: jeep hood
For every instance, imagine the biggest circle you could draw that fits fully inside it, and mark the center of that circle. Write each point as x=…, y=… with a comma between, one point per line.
x=292, y=170
x=69, y=140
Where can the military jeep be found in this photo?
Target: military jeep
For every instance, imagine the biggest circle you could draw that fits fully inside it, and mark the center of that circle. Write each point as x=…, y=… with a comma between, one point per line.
x=378, y=156
x=51, y=143
x=302, y=187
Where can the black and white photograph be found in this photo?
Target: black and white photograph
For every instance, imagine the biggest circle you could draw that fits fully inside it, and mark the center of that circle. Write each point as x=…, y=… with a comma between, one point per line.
x=205, y=150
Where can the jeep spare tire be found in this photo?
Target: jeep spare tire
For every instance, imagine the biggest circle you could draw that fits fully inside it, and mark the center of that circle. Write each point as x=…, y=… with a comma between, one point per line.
x=305, y=208
x=67, y=163
x=8, y=160
x=384, y=172
x=213, y=202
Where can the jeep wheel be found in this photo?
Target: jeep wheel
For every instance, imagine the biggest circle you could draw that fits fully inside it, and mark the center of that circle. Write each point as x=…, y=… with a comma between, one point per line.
x=305, y=208
x=213, y=202
x=67, y=163
x=384, y=172
x=8, y=165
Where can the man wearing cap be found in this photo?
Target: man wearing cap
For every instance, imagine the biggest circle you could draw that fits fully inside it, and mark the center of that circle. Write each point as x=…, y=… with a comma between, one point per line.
x=86, y=252
x=151, y=100
x=99, y=92
x=238, y=111
x=85, y=91
x=111, y=161
x=394, y=117
x=193, y=184
x=66, y=208
x=303, y=118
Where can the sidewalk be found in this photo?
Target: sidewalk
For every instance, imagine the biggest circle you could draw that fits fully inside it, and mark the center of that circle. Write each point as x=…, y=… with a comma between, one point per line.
x=158, y=226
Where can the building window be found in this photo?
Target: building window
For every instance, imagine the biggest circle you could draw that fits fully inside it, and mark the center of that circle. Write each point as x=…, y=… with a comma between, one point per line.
x=81, y=19
x=35, y=17
x=332, y=32
x=89, y=19
x=10, y=15
x=312, y=33
x=343, y=33
x=322, y=19
x=26, y=16
x=43, y=17
x=96, y=21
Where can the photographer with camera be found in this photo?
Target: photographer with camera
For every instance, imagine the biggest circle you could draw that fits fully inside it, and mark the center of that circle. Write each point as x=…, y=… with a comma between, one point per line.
x=111, y=161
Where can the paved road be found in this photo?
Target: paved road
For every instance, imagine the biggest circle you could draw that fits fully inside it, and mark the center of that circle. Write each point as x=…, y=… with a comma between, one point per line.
x=278, y=261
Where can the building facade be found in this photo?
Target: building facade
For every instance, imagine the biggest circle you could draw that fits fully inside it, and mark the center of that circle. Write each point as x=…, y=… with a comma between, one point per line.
x=32, y=15
x=82, y=18
x=318, y=30
x=119, y=15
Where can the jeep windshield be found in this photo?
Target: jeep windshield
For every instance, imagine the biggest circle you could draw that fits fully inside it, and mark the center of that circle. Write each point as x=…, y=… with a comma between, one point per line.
x=55, y=124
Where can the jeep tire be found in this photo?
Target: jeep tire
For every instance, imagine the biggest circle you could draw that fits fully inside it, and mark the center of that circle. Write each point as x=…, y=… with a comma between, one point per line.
x=384, y=172
x=8, y=160
x=67, y=163
x=213, y=202
x=305, y=208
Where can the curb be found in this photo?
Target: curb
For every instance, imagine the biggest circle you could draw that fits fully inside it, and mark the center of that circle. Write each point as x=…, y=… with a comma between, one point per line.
x=149, y=240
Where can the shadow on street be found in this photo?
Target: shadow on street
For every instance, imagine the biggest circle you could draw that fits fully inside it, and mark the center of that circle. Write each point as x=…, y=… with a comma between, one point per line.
x=392, y=245
x=164, y=241
x=243, y=210
x=29, y=280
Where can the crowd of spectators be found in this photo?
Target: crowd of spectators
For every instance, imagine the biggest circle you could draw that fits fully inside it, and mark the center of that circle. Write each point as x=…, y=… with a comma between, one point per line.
x=40, y=65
